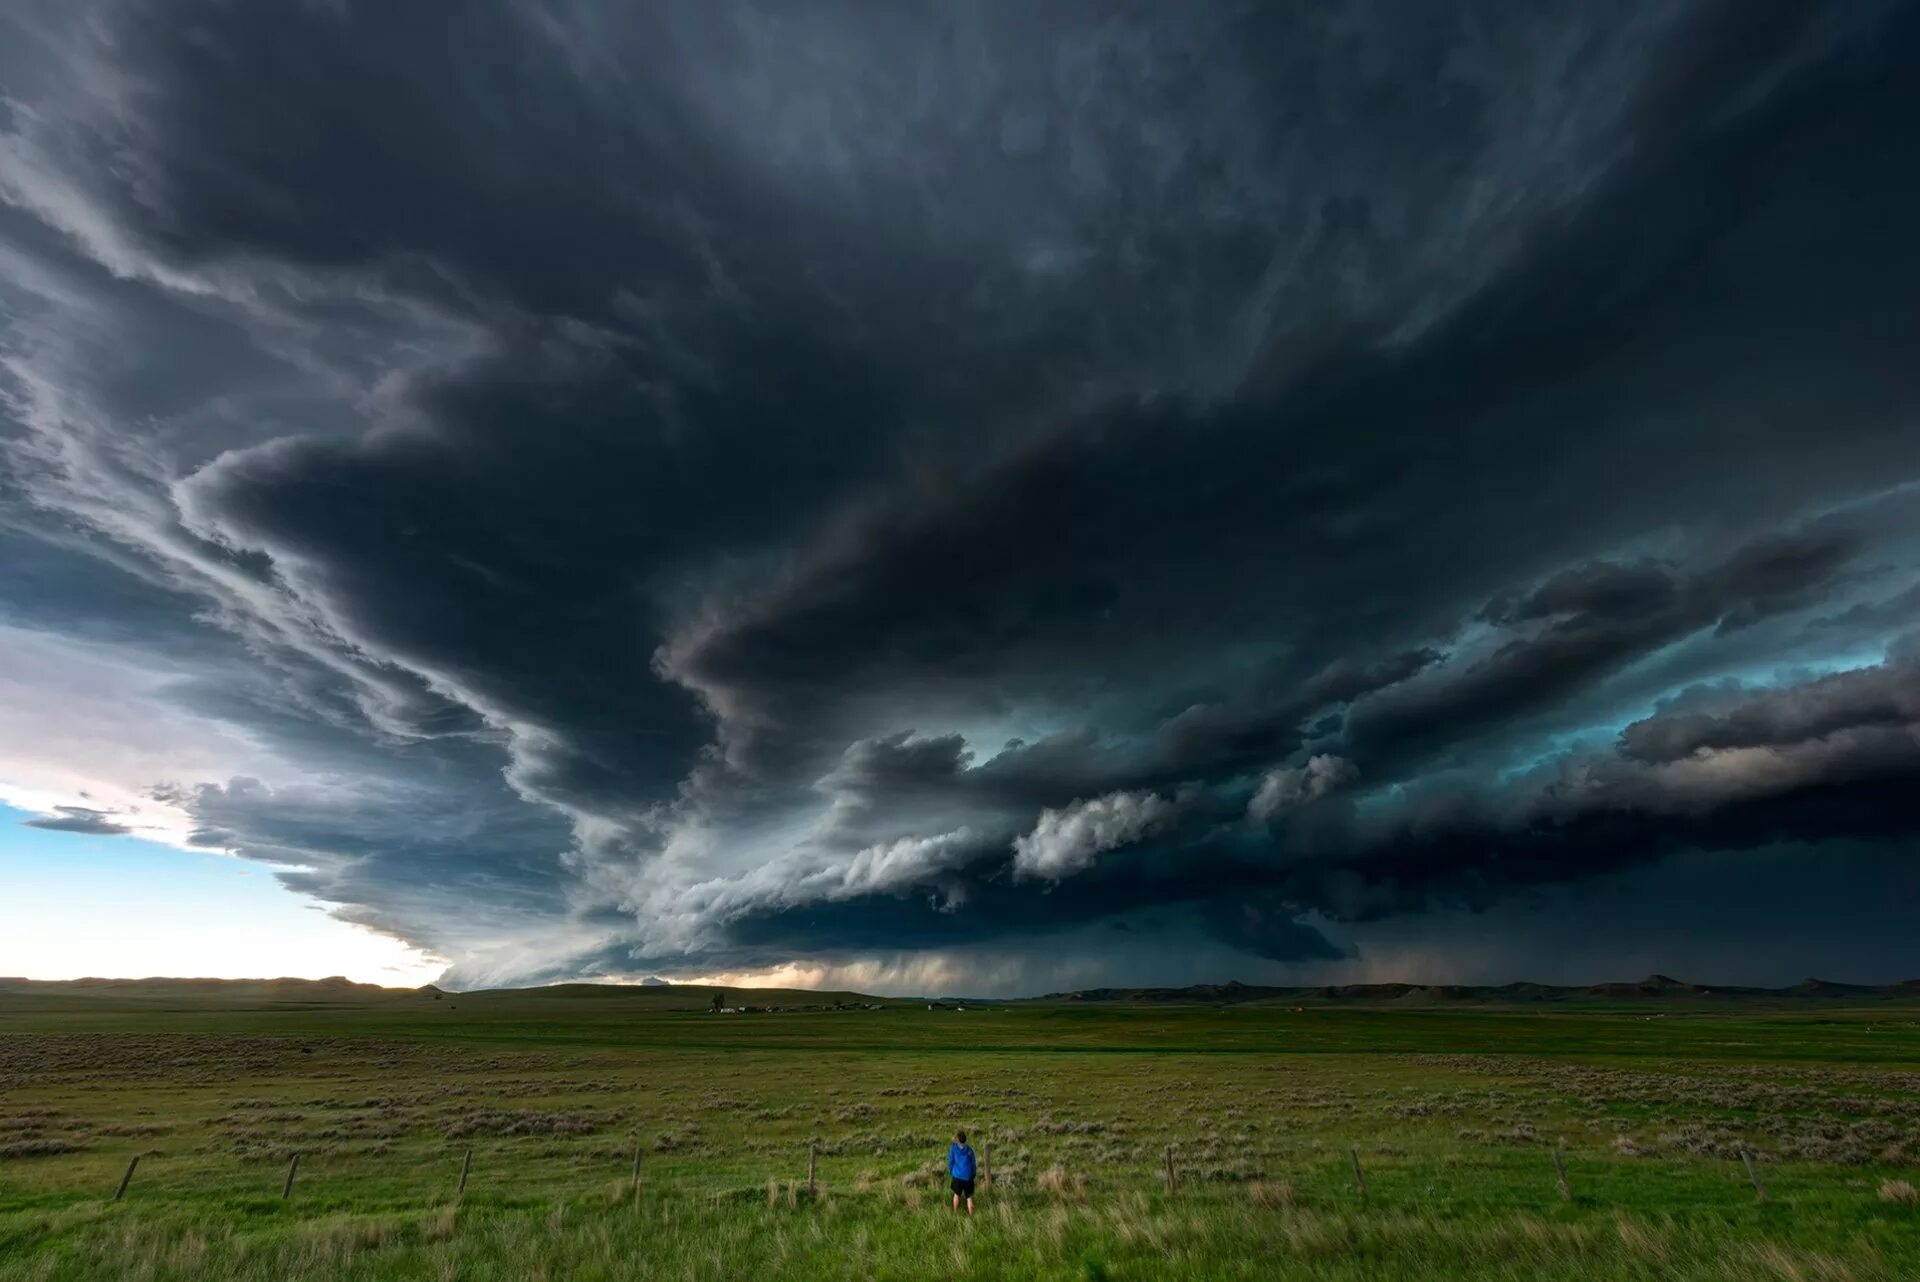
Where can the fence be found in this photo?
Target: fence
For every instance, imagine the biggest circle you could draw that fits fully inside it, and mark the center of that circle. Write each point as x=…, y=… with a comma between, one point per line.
x=1170, y=1179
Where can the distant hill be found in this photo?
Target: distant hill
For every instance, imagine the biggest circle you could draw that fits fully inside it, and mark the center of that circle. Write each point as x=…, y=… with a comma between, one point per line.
x=334, y=986
x=1652, y=988
x=162, y=994
x=26, y=995
x=158, y=993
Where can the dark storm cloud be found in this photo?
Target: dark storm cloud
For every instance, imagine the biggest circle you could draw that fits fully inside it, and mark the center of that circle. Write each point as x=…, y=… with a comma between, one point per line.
x=664, y=489
x=1699, y=721
x=1587, y=621
x=1265, y=925
x=80, y=819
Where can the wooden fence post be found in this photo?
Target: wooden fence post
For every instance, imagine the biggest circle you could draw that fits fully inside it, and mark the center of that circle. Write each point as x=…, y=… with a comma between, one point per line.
x=1359, y=1177
x=465, y=1166
x=1560, y=1173
x=286, y=1190
x=1167, y=1178
x=1753, y=1173
x=986, y=1166
x=126, y=1179
x=813, y=1157
x=636, y=1174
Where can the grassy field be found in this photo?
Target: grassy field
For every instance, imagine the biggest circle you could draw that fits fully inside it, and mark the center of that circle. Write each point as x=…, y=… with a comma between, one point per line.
x=1453, y=1112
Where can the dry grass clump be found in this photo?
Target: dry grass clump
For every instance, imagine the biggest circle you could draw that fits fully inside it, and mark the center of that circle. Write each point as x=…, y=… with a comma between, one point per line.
x=1710, y=1141
x=790, y=1193
x=39, y=1146
x=334, y=1239
x=1273, y=1194
x=675, y=1141
x=1057, y=1181
x=134, y=1130
x=1899, y=1192
x=1843, y=1143
x=31, y=1121
x=522, y=1122
x=1638, y=1239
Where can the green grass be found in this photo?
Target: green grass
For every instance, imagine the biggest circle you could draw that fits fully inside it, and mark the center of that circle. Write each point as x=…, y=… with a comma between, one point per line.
x=1453, y=1112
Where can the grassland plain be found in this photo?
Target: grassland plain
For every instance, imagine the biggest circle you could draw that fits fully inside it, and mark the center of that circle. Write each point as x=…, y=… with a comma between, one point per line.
x=1453, y=1113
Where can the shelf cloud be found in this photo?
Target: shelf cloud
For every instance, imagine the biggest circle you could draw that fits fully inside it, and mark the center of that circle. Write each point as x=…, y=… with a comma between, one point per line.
x=607, y=490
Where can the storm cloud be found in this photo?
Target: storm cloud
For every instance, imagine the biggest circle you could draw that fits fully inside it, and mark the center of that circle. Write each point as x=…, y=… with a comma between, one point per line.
x=608, y=490
x=81, y=819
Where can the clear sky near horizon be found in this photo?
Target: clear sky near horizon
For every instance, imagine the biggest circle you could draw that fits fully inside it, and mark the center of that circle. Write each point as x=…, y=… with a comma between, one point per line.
x=75, y=905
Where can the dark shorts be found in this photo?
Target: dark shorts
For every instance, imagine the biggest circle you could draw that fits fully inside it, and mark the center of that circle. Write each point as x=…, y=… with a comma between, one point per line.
x=962, y=1188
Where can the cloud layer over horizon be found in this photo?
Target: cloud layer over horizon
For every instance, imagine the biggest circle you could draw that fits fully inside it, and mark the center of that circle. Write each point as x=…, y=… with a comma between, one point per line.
x=999, y=498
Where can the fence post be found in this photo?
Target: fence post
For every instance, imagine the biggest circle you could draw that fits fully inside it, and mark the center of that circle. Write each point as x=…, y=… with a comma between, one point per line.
x=1560, y=1173
x=286, y=1190
x=636, y=1174
x=465, y=1166
x=813, y=1157
x=1359, y=1177
x=126, y=1179
x=1171, y=1182
x=986, y=1166
x=1753, y=1173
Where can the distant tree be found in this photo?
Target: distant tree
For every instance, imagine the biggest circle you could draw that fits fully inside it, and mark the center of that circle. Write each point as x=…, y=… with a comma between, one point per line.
x=719, y=998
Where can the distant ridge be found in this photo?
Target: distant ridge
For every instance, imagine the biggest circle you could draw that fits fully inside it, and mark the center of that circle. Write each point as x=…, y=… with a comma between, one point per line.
x=155, y=994
x=289, y=983
x=1652, y=987
x=285, y=990
x=336, y=991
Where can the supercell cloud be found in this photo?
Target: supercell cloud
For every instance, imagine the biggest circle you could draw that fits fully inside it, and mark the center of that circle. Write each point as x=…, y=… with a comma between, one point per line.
x=989, y=497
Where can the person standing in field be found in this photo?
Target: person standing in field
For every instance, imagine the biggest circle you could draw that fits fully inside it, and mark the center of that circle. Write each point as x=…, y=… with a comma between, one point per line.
x=960, y=1167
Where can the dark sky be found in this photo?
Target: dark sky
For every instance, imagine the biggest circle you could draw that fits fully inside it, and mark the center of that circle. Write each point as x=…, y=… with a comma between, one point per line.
x=980, y=497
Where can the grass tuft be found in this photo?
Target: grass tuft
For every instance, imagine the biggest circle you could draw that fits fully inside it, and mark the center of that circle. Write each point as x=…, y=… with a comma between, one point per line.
x=1272, y=1194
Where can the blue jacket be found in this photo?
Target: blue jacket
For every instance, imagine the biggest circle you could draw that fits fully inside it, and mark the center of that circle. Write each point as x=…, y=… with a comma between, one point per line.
x=960, y=1162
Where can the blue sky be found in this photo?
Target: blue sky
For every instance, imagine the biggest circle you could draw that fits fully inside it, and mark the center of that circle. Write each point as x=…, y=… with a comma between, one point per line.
x=73, y=904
